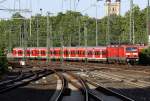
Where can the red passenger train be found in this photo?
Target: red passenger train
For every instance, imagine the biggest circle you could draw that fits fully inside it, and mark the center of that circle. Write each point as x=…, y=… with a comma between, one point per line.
x=112, y=53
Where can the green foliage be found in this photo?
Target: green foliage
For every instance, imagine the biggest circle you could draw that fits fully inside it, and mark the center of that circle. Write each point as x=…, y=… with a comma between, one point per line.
x=16, y=32
x=145, y=57
x=3, y=61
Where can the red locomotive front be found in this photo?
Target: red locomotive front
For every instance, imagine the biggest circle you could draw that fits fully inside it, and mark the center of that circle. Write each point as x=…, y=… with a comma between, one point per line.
x=122, y=53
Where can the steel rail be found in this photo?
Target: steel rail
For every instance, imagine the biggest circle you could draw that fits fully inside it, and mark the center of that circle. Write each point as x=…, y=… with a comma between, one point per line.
x=23, y=75
x=4, y=82
x=138, y=83
x=90, y=92
x=100, y=89
x=57, y=96
x=35, y=76
x=84, y=89
x=108, y=91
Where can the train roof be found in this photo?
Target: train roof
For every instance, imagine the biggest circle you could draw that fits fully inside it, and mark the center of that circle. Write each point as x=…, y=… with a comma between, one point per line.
x=56, y=47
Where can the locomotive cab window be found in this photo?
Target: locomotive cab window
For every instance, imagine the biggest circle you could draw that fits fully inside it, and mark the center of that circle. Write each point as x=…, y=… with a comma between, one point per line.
x=133, y=49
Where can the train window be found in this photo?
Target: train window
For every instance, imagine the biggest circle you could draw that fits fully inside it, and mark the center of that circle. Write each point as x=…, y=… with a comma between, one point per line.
x=90, y=53
x=37, y=52
x=66, y=52
x=97, y=53
x=78, y=52
x=103, y=52
x=32, y=52
x=20, y=52
x=83, y=52
x=55, y=52
x=133, y=49
x=43, y=52
x=59, y=52
x=72, y=52
x=28, y=52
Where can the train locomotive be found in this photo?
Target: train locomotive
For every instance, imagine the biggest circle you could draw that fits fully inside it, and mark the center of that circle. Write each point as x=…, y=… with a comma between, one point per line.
x=110, y=54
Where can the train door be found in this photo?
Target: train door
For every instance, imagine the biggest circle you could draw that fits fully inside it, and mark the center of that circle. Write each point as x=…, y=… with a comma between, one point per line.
x=43, y=53
x=97, y=53
x=35, y=53
x=20, y=52
x=72, y=53
x=103, y=54
x=90, y=53
x=14, y=53
x=27, y=52
x=66, y=53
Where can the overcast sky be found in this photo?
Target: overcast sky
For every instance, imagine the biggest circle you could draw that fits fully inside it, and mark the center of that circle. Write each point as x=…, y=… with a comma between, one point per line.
x=55, y=6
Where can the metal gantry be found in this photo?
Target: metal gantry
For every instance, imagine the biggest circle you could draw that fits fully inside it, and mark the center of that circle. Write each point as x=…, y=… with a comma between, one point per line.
x=131, y=33
x=96, y=38
x=79, y=32
x=96, y=28
x=48, y=38
x=148, y=22
x=85, y=40
x=108, y=26
x=37, y=31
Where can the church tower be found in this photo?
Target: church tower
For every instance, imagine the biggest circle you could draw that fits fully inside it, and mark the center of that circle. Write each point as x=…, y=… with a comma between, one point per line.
x=112, y=7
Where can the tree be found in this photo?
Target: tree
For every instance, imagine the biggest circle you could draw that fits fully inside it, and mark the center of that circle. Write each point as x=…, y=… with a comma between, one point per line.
x=3, y=61
x=145, y=57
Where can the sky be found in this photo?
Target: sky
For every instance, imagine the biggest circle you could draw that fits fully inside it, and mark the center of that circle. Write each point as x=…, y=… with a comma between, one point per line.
x=54, y=6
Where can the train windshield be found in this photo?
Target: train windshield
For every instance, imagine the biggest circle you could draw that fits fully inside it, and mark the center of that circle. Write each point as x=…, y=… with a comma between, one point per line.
x=133, y=49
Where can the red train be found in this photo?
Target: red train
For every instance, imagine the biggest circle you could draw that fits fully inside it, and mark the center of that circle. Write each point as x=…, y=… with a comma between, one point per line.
x=112, y=53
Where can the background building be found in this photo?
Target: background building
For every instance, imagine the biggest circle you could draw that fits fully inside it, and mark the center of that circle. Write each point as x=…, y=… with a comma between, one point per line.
x=112, y=7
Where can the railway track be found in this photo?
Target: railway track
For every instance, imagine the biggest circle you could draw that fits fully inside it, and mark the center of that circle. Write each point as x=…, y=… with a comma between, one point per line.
x=130, y=68
x=10, y=76
x=96, y=93
x=23, y=79
x=102, y=72
x=132, y=89
x=58, y=95
x=89, y=92
x=130, y=81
